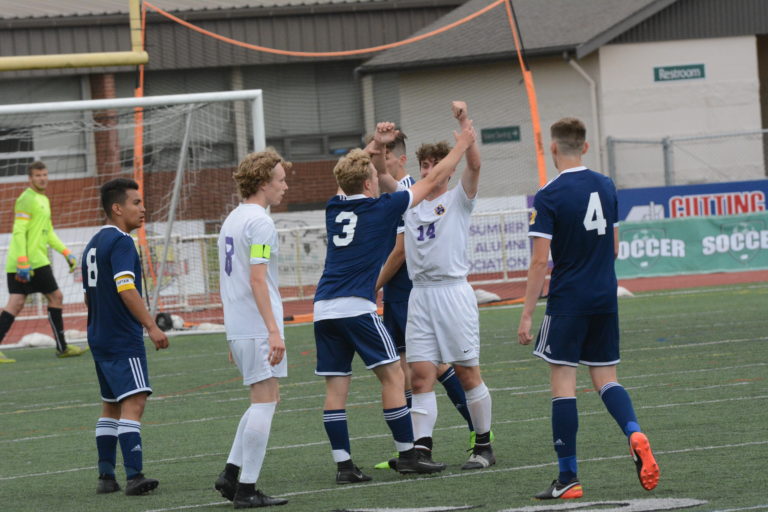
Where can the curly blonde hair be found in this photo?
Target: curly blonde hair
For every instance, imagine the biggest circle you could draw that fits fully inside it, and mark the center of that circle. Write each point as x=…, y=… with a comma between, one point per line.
x=256, y=169
x=436, y=151
x=352, y=170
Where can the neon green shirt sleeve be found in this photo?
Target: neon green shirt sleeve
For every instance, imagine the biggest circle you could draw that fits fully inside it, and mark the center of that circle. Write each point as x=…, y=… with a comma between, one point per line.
x=53, y=239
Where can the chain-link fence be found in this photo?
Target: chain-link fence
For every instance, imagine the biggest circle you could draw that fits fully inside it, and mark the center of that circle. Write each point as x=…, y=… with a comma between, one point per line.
x=711, y=158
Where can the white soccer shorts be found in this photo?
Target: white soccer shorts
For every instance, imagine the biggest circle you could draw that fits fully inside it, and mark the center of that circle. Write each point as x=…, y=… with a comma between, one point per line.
x=443, y=324
x=252, y=359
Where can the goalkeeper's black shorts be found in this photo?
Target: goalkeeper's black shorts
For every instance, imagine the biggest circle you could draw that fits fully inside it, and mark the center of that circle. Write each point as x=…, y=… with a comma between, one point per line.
x=42, y=282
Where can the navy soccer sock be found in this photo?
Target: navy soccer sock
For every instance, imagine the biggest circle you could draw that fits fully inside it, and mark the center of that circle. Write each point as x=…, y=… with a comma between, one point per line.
x=565, y=425
x=455, y=392
x=129, y=434
x=409, y=398
x=335, y=423
x=106, y=445
x=618, y=403
x=399, y=422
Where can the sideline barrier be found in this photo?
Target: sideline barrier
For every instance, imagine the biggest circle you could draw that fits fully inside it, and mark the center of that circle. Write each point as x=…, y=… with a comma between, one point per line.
x=694, y=245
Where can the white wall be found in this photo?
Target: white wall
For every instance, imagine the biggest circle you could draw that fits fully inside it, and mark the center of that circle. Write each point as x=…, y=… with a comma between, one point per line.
x=496, y=97
x=725, y=100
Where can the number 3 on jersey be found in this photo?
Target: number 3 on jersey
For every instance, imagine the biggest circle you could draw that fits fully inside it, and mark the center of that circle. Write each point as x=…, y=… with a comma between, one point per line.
x=594, y=219
x=349, y=222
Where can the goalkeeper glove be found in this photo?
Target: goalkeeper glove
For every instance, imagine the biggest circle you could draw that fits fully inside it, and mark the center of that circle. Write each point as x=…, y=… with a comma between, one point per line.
x=71, y=260
x=23, y=269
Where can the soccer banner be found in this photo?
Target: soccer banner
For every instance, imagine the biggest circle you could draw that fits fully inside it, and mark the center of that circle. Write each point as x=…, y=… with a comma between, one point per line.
x=695, y=245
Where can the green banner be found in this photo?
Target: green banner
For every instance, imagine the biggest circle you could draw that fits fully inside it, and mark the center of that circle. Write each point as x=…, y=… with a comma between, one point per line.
x=693, y=245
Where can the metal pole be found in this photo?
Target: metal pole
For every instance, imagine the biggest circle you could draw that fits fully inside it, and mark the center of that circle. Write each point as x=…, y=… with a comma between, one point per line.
x=259, y=135
x=598, y=137
x=146, y=101
x=669, y=171
x=610, y=146
x=172, y=212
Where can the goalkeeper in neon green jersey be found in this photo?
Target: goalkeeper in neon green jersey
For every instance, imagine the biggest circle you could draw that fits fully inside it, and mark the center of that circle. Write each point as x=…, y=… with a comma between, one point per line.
x=27, y=265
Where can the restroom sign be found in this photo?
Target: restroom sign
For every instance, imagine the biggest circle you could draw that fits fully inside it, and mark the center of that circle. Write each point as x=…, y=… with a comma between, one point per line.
x=670, y=73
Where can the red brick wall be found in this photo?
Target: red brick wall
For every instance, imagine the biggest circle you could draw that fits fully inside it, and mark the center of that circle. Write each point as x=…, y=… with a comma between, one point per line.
x=208, y=194
x=107, y=144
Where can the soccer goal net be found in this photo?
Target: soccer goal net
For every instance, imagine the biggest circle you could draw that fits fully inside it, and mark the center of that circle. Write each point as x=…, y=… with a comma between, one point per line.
x=182, y=150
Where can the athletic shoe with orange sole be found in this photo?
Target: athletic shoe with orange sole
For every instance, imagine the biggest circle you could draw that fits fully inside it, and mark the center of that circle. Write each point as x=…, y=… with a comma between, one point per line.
x=557, y=490
x=647, y=468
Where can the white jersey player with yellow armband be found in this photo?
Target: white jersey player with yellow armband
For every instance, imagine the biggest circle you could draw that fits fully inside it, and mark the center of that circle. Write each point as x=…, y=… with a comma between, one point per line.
x=248, y=237
x=253, y=318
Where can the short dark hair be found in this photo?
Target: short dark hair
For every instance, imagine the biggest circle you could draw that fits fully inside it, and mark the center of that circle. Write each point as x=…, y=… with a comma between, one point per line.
x=35, y=166
x=569, y=134
x=436, y=151
x=397, y=146
x=114, y=191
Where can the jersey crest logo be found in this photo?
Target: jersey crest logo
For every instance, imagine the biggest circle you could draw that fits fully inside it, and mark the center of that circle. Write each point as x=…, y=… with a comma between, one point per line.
x=439, y=209
x=533, y=217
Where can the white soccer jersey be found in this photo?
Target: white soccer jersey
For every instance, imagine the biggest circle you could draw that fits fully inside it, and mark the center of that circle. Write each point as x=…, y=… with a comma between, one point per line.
x=436, y=237
x=248, y=237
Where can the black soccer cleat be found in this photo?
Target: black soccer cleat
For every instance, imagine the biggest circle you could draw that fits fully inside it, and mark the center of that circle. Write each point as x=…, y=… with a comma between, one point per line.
x=139, y=485
x=348, y=473
x=568, y=491
x=482, y=457
x=107, y=484
x=417, y=462
x=226, y=486
x=255, y=500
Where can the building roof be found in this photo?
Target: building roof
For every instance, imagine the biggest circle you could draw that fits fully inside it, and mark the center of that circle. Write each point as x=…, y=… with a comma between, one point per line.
x=547, y=27
x=31, y=9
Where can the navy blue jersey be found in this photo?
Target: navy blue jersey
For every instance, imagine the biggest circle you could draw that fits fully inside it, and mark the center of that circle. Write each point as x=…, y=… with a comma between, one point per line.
x=399, y=287
x=358, y=229
x=111, y=263
x=578, y=211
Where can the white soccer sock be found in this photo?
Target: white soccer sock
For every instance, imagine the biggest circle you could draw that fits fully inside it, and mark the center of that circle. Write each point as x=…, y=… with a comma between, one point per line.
x=479, y=405
x=236, y=452
x=423, y=414
x=255, y=437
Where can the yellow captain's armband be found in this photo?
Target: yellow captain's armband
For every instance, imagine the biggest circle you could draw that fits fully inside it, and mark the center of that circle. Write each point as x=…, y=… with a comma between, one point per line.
x=124, y=282
x=260, y=251
x=23, y=216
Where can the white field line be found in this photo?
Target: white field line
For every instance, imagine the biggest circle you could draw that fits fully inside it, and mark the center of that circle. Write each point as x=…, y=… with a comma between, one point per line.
x=764, y=506
x=378, y=436
x=518, y=390
x=494, y=363
x=470, y=475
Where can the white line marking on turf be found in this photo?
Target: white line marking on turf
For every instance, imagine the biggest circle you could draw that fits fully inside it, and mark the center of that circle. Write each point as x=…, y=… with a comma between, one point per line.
x=445, y=508
x=764, y=506
x=640, y=505
x=470, y=474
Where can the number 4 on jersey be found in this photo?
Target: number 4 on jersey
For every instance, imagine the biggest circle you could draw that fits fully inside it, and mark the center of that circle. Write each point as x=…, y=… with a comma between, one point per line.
x=594, y=219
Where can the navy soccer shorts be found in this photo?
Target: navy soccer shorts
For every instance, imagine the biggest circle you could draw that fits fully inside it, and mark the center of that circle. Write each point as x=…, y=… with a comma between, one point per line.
x=395, y=320
x=337, y=340
x=591, y=340
x=121, y=378
x=42, y=281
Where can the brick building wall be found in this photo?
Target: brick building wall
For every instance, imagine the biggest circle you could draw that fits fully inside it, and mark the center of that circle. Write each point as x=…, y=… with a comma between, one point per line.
x=209, y=194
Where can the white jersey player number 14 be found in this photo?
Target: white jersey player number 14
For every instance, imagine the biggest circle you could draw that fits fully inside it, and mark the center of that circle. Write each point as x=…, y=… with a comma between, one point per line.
x=594, y=219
